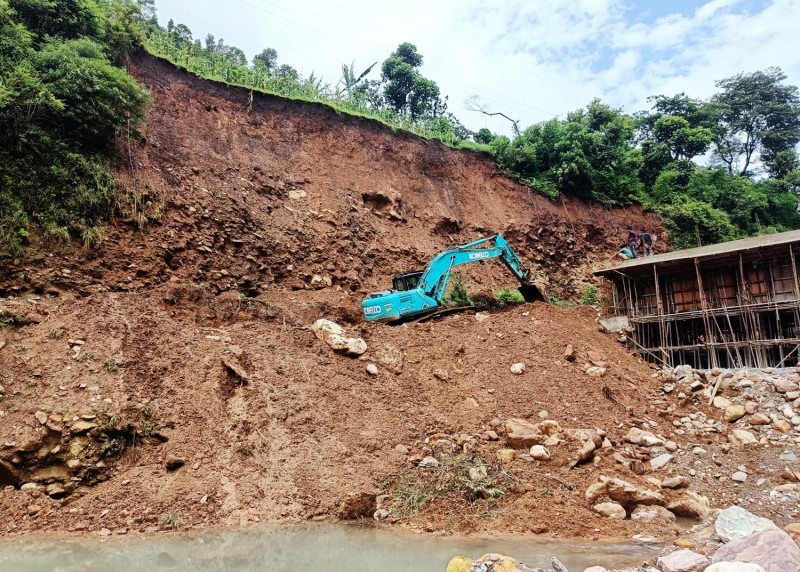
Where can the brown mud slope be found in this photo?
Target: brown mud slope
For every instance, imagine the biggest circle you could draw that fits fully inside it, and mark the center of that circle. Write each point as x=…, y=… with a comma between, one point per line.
x=170, y=375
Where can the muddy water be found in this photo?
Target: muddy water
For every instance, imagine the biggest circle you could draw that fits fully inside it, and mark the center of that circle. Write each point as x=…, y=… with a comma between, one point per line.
x=318, y=548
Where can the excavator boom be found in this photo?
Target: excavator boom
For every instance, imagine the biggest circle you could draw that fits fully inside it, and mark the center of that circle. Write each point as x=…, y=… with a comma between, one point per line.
x=416, y=294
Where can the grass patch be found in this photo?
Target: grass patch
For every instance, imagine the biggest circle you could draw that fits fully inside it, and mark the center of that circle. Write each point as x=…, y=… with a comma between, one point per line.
x=556, y=302
x=508, y=296
x=459, y=479
x=170, y=520
x=10, y=320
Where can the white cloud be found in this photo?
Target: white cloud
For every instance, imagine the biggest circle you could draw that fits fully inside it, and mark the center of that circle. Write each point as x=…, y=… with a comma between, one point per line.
x=531, y=60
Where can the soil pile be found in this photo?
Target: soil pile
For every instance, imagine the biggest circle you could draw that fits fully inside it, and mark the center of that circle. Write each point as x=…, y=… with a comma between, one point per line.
x=170, y=378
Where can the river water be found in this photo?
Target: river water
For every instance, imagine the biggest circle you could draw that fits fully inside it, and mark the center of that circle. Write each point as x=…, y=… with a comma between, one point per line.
x=330, y=548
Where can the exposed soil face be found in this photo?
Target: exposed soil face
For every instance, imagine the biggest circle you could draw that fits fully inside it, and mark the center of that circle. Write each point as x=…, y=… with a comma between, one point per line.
x=198, y=360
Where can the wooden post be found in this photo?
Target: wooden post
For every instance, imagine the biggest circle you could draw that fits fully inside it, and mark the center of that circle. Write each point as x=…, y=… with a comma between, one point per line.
x=712, y=352
x=662, y=334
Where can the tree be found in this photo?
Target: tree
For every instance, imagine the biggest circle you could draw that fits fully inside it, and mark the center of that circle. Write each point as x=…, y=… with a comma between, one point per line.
x=484, y=136
x=757, y=117
x=406, y=91
x=266, y=60
x=66, y=19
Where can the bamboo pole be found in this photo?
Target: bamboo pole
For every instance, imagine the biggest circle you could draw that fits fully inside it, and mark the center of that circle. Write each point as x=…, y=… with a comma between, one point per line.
x=704, y=306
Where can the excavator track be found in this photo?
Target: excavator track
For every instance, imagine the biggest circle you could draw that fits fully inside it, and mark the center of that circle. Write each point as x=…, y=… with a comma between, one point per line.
x=437, y=314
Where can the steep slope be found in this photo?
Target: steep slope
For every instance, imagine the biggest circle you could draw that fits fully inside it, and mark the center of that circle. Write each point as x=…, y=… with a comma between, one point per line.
x=189, y=341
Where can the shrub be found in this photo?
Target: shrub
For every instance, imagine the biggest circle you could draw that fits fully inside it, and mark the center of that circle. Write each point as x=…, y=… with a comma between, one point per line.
x=508, y=296
x=458, y=294
x=589, y=295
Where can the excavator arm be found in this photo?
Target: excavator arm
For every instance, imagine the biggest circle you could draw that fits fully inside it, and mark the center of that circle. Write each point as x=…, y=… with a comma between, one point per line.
x=436, y=276
x=429, y=292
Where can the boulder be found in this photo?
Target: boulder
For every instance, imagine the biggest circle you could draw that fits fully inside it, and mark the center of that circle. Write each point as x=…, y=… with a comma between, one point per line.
x=521, y=434
x=675, y=483
x=734, y=412
x=735, y=522
x=734, y=567
x=495, y=562
x=583, y=454
x=690, y=504
x=644, y=438
x=628, y=494
x=357, y=505
x=772, y=549
x=660, y=461
x=82, y=427
x=505, y=456
x=610, y=510
x=683, y=560
x=333, y=334
x=742, y=437
x=785, y=386
x=652, y=512
x=540, y=453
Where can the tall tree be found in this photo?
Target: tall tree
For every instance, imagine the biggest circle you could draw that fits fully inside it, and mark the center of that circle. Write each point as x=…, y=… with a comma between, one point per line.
x=406, y=90
x=757, y=117
x=266, y=60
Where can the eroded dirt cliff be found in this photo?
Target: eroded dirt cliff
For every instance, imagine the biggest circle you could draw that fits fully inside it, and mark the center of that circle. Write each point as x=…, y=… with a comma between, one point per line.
x=170, y=374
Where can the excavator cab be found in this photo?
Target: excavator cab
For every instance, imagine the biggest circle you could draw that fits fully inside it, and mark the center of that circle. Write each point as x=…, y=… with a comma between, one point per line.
x=405, y=282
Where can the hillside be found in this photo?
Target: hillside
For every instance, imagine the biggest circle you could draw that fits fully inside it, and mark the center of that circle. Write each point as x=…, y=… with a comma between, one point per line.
x=171, y=375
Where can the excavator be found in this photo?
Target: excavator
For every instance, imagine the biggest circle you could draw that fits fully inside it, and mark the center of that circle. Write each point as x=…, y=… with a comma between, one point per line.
x=417, y=294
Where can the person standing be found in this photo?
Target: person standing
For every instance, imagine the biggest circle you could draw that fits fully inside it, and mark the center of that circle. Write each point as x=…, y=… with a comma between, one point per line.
x=646, y=241
x=633, y=239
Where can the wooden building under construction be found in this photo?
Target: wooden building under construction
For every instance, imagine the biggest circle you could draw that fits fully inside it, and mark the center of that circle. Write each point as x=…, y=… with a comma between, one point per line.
x=734, y=304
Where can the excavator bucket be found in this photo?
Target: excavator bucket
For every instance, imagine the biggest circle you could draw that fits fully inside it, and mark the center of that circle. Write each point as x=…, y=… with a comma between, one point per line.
x=531, y=293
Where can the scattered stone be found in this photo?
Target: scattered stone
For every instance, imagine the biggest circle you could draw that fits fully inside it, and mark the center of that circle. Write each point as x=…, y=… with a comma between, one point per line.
x=478, y=473
x=660, y=461
x=721, y=402
x=173, y=463
x=690, y=504
x=645, y=438
x=391, y=358
x=381, y=514
x=518, y=368
x=628, y=494
x=734, y=412
x=785, y=386
x=80, y=427
x=521, y=434
x=333, y=334
x=55, y=490
x=682, y=560
x=675, y=483
x=441, y=374
x=782, y=425
x=569, y=354
x=41, y=417
x=734, y=567
x=759, y=419
x=357, y=505
x=372, y=369
x=735, y=522
x=772, y=549
x=540, y=453
x=610, y=510
x=505, y=456
x=428, y=462
x=492, y=435
x=104, y=532
x=652, y=512
x=739, y=476
x=34, y=509
x=596, y=371
x=402, y=449
x=699, y=451
x=742, y=437
x=685, y=543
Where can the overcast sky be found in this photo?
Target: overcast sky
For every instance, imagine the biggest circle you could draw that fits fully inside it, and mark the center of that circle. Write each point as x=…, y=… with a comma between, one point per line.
x=532, y=60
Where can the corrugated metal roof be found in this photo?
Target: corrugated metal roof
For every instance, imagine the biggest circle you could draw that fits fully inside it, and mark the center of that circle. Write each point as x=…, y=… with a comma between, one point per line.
x=707, y=251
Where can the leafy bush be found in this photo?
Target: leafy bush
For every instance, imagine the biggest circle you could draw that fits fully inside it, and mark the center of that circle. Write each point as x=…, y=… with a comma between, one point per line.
x=458, y=293
x=508, y=296
x=589, y=295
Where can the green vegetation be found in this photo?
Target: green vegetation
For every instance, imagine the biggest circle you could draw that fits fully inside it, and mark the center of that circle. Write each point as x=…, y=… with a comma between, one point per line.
x=170, y=520
x=508, y=296
x=62, y=102
x=66, y=101
x=458, y=295
x=458, y=479
x=589, y=297
x=9, y=319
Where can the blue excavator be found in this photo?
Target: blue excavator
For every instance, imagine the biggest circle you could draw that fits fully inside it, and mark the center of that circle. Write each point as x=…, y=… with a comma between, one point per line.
x=418, y=294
